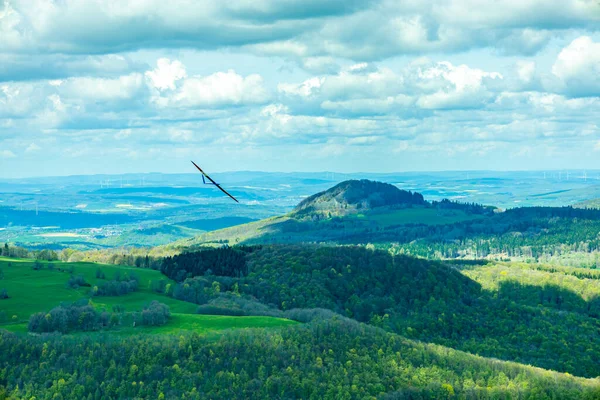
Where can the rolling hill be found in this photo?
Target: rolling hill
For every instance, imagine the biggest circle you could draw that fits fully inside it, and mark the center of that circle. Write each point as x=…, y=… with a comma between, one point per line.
x=353, y=195
x=343, y=212
x=32, y=291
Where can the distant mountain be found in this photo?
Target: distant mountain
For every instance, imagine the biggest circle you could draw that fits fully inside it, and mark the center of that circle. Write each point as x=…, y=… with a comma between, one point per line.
x=352, y=195
x=350, y=212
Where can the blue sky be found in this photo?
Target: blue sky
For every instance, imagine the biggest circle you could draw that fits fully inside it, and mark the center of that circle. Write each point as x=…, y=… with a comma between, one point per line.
x=287, y=85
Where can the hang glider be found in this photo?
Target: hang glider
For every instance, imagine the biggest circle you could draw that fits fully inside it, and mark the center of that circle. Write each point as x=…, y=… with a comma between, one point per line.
x=212, y=182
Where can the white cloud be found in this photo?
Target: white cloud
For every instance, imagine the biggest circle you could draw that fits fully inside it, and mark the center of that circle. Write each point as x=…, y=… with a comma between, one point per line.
x=578, y=67
x=180, y=135
x=20, y=99
x=166, y=74
x=384, y=106
x=71, y=78
x=320, y=65
x=526, y=71
x=32, y=148
x=10, y=20
x=7, y=154
x=102, y=89
x=304, y=89
x=361, y=30
x=464, y=87
x=218, y=90
x=123, y=134
x=364, y=89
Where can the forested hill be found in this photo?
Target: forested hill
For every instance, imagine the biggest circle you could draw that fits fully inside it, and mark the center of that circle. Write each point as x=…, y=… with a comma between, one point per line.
x=358, y=194
x=362, y=212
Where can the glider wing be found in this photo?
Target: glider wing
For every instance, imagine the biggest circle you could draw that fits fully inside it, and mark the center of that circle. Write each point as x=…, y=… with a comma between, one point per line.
x=213, y=182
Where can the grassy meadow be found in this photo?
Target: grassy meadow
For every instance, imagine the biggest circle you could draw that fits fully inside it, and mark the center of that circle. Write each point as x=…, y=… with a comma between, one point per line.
x=31, y=291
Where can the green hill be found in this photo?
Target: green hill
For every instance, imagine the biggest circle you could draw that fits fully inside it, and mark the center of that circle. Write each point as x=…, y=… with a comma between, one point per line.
x=342, y=213
x=440, y=230
x=353, y=195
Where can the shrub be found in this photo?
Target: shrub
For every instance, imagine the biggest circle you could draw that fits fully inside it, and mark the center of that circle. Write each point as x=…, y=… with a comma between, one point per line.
x=116, y=288
x=75, y=282
x=154, y=314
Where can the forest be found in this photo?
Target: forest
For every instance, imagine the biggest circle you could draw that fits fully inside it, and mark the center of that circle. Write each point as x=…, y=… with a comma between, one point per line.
x=420, y=299
x=322, y=359
x=480, y=305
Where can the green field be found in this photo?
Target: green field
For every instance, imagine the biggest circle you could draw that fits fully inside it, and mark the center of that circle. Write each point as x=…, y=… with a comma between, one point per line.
x=32, y=291
x=201, y=324
x=416, y=215
x=205, y=324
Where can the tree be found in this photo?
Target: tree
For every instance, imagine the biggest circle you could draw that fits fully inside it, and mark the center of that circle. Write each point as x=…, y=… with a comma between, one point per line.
x=75, y=282
x=6, y=250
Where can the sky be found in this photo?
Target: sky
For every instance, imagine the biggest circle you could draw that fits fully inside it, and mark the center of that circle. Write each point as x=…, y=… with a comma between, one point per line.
x=120, y=86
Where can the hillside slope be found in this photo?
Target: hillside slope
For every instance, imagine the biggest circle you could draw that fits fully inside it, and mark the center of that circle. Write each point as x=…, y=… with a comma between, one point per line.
x=342, y=213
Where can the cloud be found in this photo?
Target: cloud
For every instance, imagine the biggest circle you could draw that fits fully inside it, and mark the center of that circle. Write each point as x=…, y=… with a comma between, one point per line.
x=21, y=99
x=7, y=154
x=578, y=68
x=22, y=67
x=74, y=27
x=86, y=89
x=438, y=80
x=272, y=10
x=364, y=89
x=391, y=28
x=464, y=87
x=32, y=148
x=359, y=30
x=220, y=89
x=526, y=71
x=166, y=74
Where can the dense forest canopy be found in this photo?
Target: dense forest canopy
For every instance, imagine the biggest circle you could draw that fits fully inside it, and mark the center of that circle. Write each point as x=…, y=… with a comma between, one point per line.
x=323, y=359
x=421, y=299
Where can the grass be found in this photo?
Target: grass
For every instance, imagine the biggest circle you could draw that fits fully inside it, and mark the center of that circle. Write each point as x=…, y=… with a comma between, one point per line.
x=181, y=323
x=205, y=324
x=235, y=234
x=32, y=291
